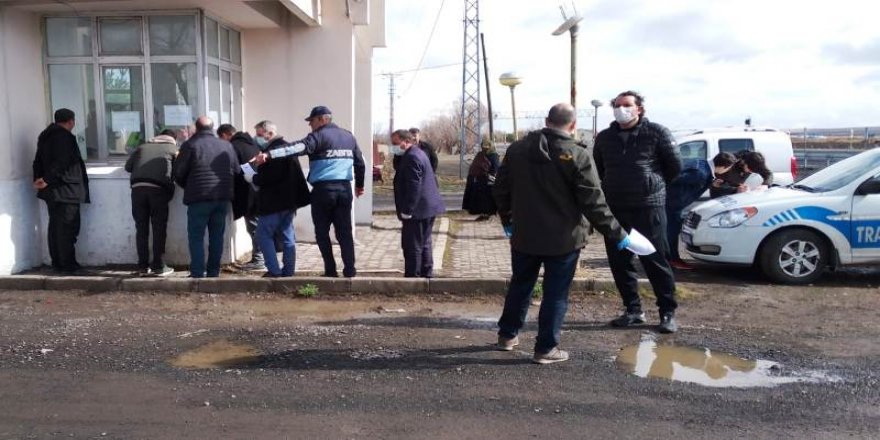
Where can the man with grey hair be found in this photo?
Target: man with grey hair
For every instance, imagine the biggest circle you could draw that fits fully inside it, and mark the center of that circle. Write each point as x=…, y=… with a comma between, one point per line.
x=546, y=191
x=334, y=160
x=205, y=168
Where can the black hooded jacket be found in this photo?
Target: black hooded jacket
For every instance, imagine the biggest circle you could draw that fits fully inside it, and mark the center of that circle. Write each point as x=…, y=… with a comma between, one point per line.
x=282, y=184
x=59, y=163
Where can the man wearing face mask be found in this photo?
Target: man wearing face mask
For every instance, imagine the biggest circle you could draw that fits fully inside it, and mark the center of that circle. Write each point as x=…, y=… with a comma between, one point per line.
x=636, y=159
x=282, y=190
x=417, y=201
x=333, y=155
x=546, y=191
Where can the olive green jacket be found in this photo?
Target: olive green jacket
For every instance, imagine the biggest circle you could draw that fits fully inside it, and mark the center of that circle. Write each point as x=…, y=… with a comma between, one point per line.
x=547, y=189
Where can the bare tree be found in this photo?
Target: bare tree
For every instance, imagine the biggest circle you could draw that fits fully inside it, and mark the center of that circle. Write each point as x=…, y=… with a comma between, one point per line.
x=444, y=130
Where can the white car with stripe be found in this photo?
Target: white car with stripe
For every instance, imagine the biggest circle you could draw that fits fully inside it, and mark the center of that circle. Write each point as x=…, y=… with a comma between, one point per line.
x=793, y=233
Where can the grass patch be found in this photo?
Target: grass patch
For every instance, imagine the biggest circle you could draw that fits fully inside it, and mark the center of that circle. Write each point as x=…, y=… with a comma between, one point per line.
x=307, y=290
x=538, y=291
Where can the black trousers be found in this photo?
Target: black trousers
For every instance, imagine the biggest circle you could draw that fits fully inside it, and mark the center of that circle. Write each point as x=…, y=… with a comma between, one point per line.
x=149, y=207
x=651, y=222
x=418, y=251
x=63, y=229
x=331, y=205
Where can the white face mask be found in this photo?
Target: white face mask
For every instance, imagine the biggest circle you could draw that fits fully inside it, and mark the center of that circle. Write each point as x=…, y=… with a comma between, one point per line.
x=625, y=115
x=396, y=150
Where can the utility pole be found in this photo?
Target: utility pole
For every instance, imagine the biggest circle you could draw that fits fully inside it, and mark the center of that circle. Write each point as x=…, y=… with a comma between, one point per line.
x=391, y=90
x=471, y=119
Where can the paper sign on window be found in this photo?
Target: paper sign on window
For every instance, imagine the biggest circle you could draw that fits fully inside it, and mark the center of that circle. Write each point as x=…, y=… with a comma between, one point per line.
x=129, y=122
x=178, y=115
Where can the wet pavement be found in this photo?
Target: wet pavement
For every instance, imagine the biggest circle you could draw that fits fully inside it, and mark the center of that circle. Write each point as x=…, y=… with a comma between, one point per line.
x=750, y=361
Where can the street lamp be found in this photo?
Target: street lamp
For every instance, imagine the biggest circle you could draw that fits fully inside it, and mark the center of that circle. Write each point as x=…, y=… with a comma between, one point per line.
x=571, y=25
x=596, y=104
x=511, y=80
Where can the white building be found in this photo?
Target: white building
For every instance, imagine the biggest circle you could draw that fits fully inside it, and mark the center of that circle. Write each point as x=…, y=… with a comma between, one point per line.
x=132, y=68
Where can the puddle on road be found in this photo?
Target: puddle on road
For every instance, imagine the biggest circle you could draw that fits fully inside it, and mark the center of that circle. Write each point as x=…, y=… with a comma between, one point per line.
x=218, y=354
x=704, y=367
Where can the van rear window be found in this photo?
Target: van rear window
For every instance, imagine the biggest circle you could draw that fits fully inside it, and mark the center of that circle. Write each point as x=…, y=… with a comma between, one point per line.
x=734, y=146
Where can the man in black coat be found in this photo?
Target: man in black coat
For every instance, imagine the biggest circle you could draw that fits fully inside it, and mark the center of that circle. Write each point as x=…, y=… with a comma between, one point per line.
x=61, y=181
x=244, y=197
x=205, y=169
x=282, y=190
x=418, y=202
x=636, y=159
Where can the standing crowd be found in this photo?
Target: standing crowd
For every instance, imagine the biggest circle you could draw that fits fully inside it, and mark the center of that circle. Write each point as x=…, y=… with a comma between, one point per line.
x=548, y=191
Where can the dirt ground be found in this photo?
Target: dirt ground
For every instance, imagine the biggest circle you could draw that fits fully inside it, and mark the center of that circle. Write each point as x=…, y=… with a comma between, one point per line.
x=74, y=365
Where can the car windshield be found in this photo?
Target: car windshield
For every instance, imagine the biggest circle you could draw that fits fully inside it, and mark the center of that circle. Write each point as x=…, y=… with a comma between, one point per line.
x=842, y=173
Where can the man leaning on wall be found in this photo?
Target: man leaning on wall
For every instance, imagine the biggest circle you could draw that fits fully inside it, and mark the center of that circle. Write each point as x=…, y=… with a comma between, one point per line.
x=205, y=169
x=61, y=181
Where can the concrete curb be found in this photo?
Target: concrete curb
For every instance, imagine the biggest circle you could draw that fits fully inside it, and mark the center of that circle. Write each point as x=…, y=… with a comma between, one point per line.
x=325, y=286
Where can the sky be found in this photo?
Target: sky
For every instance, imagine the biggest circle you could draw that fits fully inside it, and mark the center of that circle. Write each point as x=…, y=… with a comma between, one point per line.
x=699, y=63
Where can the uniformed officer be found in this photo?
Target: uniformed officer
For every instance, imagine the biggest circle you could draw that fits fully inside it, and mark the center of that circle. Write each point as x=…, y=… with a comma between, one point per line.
x=333, y=153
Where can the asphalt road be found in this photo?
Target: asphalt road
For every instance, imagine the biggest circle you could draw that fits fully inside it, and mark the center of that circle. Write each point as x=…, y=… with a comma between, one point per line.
x=124, y=366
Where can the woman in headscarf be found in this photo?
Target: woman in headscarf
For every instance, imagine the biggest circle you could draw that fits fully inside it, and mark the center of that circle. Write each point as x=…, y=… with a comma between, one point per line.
x=481, y=176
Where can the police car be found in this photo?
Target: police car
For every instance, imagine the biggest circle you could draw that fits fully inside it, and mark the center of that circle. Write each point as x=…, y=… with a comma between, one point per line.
x=793, y=233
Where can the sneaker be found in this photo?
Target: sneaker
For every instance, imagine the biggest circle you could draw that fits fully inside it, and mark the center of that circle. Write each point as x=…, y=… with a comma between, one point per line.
x=507, y=344
x=667, y=324
x=680, y=265
x=551, y=357
x=271, y=275
x=628, y=319
x=163, y=272
x=144, y=272
x=254, y=266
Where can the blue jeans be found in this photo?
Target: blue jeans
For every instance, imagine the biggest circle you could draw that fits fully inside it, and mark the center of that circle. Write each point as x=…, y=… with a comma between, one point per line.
x=558, y=273
x=199, y=216
x=270, y=227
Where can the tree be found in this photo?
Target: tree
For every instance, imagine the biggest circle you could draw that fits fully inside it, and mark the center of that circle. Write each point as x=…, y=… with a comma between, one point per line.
x=444, y=130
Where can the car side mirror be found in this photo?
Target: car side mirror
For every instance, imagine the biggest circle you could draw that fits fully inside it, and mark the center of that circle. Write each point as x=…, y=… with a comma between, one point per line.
x=870, y=186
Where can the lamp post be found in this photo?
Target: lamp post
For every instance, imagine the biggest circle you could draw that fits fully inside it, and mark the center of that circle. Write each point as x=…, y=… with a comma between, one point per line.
x=571, y=25
x=511, y=80
x=596, y=104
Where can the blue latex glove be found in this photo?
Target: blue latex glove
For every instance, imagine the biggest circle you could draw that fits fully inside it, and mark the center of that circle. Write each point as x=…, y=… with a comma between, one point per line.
x=508, y=231
x=623, y=243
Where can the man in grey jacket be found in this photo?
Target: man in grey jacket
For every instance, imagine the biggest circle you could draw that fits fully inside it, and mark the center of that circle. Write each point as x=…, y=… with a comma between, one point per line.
x=152, y=188
x=546, y=190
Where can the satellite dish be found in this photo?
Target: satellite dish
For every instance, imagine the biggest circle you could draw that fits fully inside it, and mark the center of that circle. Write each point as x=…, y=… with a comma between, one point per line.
x=570, y=23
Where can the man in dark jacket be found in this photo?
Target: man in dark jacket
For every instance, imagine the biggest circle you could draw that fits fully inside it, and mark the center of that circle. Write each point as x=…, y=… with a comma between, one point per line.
x=282, y=190
x=333, y=153
x=244, y=198
x=426, y=147
x=693, y=181
x=61, y=180
x=152, y=187
x=418, y=202
x=546, y=190
x=636, y=159
x=205, y=169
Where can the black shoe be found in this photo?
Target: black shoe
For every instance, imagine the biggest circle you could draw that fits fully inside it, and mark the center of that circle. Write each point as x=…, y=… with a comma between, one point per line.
x=628, y=319
x=271, y=275
x=144, y=271
x=349, y=273
x=330, y=275
x=164, y=271
x=667, y=324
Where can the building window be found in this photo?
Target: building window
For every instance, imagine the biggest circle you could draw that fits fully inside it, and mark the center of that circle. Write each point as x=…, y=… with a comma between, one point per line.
x=128, y=78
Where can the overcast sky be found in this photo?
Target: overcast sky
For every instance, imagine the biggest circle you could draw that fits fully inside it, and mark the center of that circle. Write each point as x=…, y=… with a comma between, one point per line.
x=700, y=63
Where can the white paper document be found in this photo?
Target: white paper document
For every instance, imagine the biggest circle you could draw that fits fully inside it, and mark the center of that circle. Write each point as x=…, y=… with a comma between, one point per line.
x=639, y=244
x=248, y=170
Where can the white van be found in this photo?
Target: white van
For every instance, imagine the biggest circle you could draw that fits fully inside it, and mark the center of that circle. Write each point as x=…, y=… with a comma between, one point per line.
x=775, y=145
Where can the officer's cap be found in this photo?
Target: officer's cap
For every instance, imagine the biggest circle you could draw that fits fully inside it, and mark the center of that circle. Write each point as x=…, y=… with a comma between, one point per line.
x=319, y=111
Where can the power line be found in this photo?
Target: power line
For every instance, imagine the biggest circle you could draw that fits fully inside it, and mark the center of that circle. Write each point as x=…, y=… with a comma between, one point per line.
x=425, y=50
x=440, y=66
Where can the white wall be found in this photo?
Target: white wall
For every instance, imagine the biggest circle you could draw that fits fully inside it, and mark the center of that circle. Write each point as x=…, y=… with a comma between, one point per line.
x=22, y=116
x=292, y=69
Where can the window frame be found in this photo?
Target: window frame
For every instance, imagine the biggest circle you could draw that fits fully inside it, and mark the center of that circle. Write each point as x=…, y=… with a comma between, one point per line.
x=97, y=61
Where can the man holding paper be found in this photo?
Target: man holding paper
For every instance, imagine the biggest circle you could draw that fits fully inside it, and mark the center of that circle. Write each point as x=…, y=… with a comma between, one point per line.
x=636, y=159
x=546, y=190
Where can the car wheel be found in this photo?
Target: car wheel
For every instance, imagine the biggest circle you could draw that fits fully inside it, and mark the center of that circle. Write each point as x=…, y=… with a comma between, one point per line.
x=794, y=256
